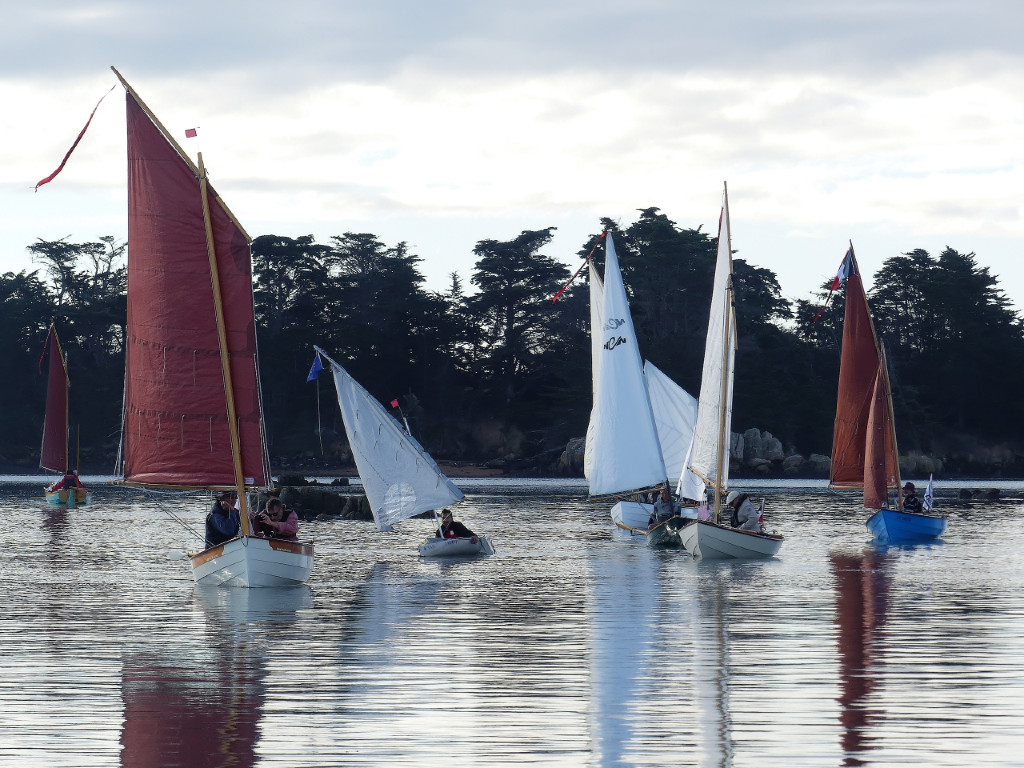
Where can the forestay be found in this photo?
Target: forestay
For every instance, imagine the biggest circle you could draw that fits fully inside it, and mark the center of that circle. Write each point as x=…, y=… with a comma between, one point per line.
x=622, y=438
x=399, y=477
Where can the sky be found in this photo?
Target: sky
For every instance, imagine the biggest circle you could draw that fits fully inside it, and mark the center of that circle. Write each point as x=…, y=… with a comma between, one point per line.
x=896, y=124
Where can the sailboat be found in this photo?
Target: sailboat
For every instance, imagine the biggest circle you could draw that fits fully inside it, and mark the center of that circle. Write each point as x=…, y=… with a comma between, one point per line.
x=709, y=458
x=193, y=412
x=864, y=452
x=399, y=477
x=53, y=455
x=624, y=455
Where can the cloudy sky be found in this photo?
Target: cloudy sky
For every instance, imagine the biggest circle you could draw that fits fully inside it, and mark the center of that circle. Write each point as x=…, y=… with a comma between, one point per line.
x=894, y=123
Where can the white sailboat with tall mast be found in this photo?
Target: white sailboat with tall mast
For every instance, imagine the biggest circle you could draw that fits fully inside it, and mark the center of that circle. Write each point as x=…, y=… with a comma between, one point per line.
x=193, y=411
x=399, y=477
x=709, y=459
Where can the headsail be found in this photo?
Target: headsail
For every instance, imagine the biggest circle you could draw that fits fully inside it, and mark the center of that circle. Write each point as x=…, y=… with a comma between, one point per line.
x=53, y=455
x=675, y=414
x=863, y=440
x=176, y=428
x=399, y=477
x=622, y=438
x=710, y=456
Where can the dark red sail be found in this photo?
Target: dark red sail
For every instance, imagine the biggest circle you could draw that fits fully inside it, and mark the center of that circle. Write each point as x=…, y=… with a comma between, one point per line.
x=176, y=417
x=863, y=443
x=53, y=455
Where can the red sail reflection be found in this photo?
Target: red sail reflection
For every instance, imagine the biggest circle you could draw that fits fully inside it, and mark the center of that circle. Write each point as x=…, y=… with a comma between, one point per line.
x=862, y=598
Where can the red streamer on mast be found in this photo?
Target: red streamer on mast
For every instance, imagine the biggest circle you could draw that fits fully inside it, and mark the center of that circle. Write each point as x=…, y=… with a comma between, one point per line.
x=577, y=273
x=78, y=139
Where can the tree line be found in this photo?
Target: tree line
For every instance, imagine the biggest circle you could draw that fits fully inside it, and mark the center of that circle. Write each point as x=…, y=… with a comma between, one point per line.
x=496, y=370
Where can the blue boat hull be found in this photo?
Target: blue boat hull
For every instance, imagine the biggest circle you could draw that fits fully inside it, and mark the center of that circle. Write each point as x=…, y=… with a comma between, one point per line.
x=890, y=525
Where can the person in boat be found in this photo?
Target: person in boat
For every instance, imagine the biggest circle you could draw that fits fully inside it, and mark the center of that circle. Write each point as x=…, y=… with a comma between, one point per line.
x=274, y=523
x=70, y=480
x=223, y=521
x=451, y=528
x=664, y=508
x=744, y=515
x=911, y=501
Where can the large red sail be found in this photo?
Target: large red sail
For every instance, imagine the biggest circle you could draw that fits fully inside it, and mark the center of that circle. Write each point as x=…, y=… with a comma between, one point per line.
x=54, y=452
x=863, y=443
x=175, y=422
x=857, y=369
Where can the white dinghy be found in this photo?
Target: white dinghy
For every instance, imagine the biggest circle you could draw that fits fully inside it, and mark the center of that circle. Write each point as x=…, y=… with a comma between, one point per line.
x=399, y=477
x=709, y=459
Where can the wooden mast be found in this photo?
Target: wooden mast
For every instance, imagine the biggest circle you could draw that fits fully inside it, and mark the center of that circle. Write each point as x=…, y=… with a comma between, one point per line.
x=723, y=447
x=225, y=361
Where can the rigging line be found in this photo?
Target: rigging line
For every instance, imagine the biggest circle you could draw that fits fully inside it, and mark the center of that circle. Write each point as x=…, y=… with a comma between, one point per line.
x=577, y=273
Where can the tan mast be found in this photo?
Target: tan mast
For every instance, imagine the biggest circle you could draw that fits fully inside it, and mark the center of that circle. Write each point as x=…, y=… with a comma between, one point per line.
x=724, y=393
x=225, y=362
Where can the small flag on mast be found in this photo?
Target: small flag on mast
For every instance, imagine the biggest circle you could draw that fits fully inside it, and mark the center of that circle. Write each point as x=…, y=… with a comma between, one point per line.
x=845, y=270
x=929, y=496
x=394, y=403
x=315, y=368
x=190, y=133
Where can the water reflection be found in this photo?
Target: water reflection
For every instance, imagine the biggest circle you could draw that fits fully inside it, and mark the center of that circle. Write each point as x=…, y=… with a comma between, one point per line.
x=198, y=701
x=862, y=602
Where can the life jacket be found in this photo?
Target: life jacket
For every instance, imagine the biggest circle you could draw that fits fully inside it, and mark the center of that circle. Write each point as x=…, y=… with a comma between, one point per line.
x=734, y=519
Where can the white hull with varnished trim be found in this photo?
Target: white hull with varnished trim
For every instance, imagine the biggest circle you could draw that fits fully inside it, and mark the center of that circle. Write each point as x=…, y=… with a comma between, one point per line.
x=709, y=541
x=251, y=561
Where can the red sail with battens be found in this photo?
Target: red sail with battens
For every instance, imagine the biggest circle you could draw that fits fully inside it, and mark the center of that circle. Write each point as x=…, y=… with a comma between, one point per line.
x=176, y=417
x=53, y=455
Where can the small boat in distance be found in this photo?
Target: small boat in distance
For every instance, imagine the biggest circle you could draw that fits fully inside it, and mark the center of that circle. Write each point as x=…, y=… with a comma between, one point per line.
x=864, y=452
x=709, y=458
x=193, y=411
x=399, y=477
x=53, y=455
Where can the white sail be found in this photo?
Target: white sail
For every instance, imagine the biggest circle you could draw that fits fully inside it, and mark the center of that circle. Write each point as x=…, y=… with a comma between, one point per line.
x=622, y=438
x=710, y=456
x=596, y=340
x=675, y=413
x=399, y=477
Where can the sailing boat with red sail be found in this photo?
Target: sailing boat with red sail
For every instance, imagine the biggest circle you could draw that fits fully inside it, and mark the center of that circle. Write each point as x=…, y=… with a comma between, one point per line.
x=193, y=412
x=53, y=455
x=864, y=452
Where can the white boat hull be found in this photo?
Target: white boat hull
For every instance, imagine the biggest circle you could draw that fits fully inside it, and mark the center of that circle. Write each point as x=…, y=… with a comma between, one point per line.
x=438, y=547
x=632, y=515
x=717, y=542
x=250, y=561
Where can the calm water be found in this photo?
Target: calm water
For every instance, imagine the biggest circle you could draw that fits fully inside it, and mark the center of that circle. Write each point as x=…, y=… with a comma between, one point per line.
x=571, y=646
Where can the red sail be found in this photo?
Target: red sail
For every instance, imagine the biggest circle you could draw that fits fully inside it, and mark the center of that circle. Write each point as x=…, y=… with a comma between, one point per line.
x=54, y=453
x=175, y=423
x=879, y=451
x=857, y=370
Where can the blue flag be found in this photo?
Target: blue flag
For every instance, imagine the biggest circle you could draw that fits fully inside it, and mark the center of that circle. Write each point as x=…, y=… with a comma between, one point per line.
x=315, y=369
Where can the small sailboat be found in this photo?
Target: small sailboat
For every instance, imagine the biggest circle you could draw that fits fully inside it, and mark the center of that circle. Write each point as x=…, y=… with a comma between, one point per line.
x=193, y=412
x=864, y=452
x=709, y=457
x=399, y=477
x=53, y=455
x=624, y=450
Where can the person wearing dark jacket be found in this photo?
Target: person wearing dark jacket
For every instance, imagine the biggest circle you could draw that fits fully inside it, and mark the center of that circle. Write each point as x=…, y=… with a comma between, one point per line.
x=452, y=529
x=223, y=521
x=911, y=503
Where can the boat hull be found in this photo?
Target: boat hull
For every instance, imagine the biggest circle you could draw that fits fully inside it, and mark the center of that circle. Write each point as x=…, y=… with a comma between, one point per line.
x=709, y=541
x=632, y=515
x=250, y=561
x=666, y=534
x=464, y=547
x=890, y=525
x=65, y=498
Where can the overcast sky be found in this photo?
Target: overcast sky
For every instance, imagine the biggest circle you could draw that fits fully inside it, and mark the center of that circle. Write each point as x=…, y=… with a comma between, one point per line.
x=894, y=123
